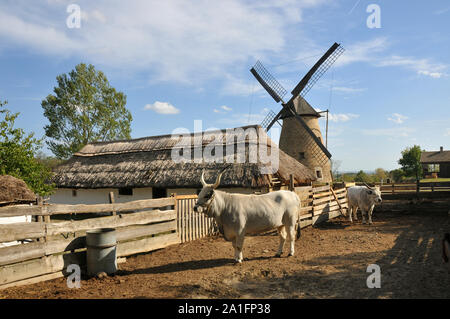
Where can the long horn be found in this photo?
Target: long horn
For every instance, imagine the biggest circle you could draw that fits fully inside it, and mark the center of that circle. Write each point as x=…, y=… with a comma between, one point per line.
x=216, y=184
x=367, y=186
x=202, y=179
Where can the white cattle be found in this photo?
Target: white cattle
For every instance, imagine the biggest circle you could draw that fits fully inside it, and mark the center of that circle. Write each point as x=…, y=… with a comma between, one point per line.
x=364, y=198
x=237, y=214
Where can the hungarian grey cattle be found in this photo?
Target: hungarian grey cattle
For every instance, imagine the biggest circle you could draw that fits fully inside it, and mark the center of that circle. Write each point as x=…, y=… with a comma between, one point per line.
x=364, y=198
x=238, y=214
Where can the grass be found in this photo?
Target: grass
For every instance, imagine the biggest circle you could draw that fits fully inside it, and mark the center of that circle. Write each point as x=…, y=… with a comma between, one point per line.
x=429, y=180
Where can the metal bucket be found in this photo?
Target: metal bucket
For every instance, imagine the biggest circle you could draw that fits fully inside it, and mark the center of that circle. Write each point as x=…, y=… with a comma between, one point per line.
x=101, y=251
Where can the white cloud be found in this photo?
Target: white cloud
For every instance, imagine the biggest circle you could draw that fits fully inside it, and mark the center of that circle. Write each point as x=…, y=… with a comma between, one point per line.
x=345, y=89
x=365, y=51
x=162, y=108
x=371, y=51
x=342, y=117
x=397, y=118
x=435, y=75
x=447, y=132
x=176, y=40
x=339, y=117
x=224, y=109
x=420, y=66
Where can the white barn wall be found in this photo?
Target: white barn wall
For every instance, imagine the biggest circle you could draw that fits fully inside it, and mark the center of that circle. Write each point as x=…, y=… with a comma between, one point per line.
x=12, y=220
x=101, y=195
x=97, y=196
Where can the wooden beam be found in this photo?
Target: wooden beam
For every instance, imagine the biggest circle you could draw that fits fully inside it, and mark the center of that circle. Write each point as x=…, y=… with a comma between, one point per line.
x=19, y=253
x=54, y=209
x=337, y=201
x=146, y=244
x=105, y=208
x=18, y=231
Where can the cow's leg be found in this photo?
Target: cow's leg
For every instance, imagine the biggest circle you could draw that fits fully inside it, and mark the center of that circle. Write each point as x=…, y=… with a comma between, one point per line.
x=282, y=234
x=355, y=212
x=370, y=214
x=363, y=213
x=350, y=212
x=238, y=245
x=291, y=239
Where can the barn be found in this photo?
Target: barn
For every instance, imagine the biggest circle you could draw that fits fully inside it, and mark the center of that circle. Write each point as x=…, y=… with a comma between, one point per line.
x=436, y=163
x=158, y=166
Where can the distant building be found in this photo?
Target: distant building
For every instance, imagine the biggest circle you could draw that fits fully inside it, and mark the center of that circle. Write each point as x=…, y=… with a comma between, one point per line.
x=436, y=164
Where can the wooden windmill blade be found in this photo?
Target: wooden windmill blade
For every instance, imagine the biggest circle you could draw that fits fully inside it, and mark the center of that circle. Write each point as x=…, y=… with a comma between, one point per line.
x=273, y=87
x=307, y=82
x=316, y=72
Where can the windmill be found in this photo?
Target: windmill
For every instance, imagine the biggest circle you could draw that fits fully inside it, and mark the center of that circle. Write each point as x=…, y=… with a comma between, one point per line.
x=300, y=134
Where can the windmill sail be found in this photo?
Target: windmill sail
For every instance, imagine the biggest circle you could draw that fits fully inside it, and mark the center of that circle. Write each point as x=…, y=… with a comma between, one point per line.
x=321, y=66
x=274, y=88
x=269, y=83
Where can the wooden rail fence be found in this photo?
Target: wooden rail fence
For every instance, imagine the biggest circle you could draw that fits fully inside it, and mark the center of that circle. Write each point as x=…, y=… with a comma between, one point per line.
x=141, y=226
x=400, y=188
x=321, y=203
x=192, y=225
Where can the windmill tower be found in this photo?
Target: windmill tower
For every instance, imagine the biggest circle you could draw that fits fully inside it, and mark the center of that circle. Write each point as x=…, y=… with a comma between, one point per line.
x=300, y=134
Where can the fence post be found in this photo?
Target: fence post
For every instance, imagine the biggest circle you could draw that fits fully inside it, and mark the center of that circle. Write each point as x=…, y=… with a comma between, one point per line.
x=112, y=201
x=393, y=188
x=418, y=185
x=291, y=182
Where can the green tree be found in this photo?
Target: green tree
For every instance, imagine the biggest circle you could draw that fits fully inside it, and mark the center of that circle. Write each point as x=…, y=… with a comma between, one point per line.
x=380, y=174
x=362, y=177
x=17, y=154
x=397, y=175
x=85, y=108
x=410, y=161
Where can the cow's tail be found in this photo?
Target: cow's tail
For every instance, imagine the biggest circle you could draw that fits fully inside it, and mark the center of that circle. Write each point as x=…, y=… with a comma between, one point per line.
x=299, y=230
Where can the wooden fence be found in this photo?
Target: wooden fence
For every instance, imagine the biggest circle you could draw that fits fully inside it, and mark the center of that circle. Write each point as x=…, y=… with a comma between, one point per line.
x=321, y=203
x=140, y=227
x=400, y=188
x=192, y=225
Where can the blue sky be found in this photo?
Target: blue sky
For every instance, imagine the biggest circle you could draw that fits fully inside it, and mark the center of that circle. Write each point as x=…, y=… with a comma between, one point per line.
x=180, y=61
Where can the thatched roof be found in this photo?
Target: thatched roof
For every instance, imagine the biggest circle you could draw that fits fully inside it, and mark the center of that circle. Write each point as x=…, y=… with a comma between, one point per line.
x=14, y=190
x=149, y=161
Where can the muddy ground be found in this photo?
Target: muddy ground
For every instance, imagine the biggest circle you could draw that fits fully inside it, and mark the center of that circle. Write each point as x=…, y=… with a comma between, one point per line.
x=331, y=262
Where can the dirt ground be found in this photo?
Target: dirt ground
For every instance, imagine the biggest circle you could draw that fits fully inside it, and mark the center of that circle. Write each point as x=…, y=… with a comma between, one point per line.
x=331, y=262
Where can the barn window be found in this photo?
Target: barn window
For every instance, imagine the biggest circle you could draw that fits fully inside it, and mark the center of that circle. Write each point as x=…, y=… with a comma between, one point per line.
x=433, y=168
x=128, y=191
x=74, y=193
x=301, y=155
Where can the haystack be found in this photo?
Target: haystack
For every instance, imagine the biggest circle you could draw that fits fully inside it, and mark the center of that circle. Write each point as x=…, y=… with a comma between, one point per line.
x=14, y=190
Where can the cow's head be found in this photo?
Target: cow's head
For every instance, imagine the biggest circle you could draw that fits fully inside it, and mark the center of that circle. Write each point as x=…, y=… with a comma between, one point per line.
x=374, y=194
x=206, y=195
